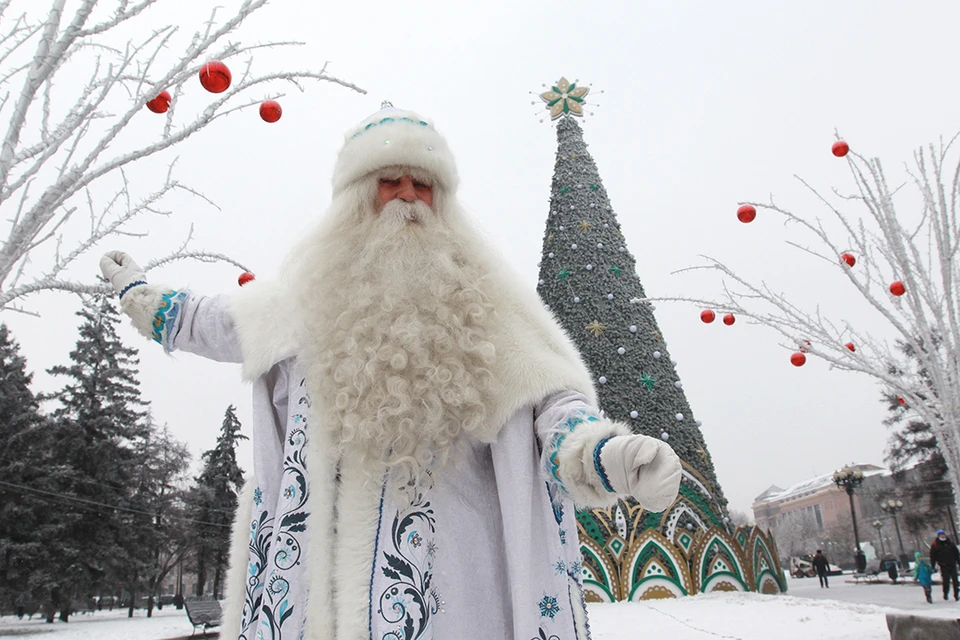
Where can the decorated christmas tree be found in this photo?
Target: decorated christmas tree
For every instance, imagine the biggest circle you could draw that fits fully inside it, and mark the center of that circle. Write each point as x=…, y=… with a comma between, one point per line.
x=588, y=278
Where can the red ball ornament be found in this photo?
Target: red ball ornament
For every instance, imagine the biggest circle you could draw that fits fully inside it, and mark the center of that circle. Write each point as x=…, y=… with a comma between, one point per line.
x=901, y=400
x=798, y=359
x=270, y=110
x=161, y=103
x=848, y=258
x=729, y=319
x=245, y=277
x=215, y=77
x=850, y=346
x=746, y=213
x=840, y=148
x=708, y=316
x=897, y=288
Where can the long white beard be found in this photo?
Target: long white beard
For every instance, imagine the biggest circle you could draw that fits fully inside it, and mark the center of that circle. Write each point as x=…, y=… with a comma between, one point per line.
x=396, y=345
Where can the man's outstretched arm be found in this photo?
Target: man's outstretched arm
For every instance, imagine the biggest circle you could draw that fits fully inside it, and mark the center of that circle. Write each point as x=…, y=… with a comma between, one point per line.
x=596, y=460
x=175, y=319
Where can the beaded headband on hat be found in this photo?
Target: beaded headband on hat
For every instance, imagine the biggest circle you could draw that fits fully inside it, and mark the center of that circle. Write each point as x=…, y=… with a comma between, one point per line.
x=394, y=137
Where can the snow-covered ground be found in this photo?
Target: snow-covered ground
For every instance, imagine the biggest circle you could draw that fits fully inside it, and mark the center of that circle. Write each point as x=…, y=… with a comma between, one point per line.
x=844, y=612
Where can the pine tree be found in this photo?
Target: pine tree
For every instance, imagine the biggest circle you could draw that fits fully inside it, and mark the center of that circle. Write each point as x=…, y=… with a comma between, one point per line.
x=914, y=445
x=588, y=279
x=214, y=503
x=92, y=442
x=156, y=501
x=21, y=427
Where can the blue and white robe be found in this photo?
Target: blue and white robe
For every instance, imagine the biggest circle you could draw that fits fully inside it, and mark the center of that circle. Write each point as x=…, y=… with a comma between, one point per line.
x=488, y=551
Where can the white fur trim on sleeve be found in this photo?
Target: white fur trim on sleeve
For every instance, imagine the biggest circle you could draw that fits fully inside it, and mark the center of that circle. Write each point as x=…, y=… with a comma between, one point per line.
x=143, y=305
x=568, y=458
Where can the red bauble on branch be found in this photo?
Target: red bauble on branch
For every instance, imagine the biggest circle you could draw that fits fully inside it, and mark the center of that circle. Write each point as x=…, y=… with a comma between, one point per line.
x=848, y=258
x=798, y=359
x=897, y=288
x=746, y=213
x=245, y=277
x=850, y=346
x=270, y=110
x=901, y=400
x=708, y=316
x=161, y=103
x=729, y=319
x=840, y=148
x=215, y=77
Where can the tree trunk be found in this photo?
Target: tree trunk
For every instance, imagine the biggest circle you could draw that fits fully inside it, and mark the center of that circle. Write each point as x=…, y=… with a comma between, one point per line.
x=216, y=579
x=133, y=600
x=201, y=570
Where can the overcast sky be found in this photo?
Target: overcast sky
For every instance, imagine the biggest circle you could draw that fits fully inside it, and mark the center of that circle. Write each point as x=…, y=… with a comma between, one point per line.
x=704, y=104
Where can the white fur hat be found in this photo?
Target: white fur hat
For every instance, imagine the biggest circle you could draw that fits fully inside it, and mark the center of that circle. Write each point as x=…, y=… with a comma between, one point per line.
x=394, y=137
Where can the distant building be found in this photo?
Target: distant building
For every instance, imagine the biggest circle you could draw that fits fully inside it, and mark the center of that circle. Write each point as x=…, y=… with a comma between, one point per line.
x=821, y=500
x=809, y=510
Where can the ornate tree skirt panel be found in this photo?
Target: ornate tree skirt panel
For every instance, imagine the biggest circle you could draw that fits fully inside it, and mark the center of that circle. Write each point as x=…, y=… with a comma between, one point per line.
x=633, y=554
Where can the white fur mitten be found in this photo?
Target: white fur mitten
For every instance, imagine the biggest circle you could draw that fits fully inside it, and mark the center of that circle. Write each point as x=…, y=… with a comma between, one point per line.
x=122, y=271
x=645, y=468
x=152, y=308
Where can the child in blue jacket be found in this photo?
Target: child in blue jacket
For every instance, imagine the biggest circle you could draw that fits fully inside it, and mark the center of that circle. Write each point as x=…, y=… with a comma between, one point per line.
x=924, y=574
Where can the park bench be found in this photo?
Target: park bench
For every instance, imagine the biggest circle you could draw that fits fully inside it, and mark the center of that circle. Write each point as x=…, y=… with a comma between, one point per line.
x=203, y=613
x=869, y=575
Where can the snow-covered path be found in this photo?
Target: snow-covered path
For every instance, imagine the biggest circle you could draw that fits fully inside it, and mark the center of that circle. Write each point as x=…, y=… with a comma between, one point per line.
x=733, y=616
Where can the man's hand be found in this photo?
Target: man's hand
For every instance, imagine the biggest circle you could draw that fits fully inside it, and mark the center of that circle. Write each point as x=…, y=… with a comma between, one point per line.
x=122, y=272
x=643, y=467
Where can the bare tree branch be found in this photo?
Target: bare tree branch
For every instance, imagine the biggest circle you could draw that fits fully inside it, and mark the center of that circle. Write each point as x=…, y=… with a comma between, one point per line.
x=918, y=248
x=63, y=153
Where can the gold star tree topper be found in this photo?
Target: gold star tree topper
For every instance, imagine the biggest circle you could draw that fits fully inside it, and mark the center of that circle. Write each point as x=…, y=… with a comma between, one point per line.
x=565, y=99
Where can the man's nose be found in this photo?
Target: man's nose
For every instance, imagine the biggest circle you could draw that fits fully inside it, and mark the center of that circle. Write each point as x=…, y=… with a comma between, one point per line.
x=406, y=192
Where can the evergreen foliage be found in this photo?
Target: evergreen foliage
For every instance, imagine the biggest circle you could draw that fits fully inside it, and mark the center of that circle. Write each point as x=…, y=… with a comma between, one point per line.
x=914, y=444
x=214, y=503
x=587, y=278
x=21, y=425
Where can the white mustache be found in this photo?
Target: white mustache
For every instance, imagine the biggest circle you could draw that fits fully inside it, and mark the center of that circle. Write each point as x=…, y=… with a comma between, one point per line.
x=403, y=211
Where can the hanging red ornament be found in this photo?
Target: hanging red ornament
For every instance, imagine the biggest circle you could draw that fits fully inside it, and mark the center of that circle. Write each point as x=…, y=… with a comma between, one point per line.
x=746, y=213
x=729, y=319
x=798, y=359
x=708, y=316
x=848, y=258
x=161, y=103
x=270, y=110
x=901, y=400
x=850, y=346
x=897, y=288
x=245, y=277
x=215, y=77
x=840, y=148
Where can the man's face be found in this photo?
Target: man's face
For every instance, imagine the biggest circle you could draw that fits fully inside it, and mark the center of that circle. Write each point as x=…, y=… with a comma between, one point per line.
x=406, y=188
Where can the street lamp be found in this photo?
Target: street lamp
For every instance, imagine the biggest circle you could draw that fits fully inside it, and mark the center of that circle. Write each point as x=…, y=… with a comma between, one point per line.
x=849, y=479
x=893, y=507
x=879, y=525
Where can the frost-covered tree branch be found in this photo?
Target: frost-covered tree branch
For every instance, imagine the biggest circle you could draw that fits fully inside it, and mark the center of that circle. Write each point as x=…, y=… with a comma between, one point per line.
x=917, y=247
x=67, y=150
